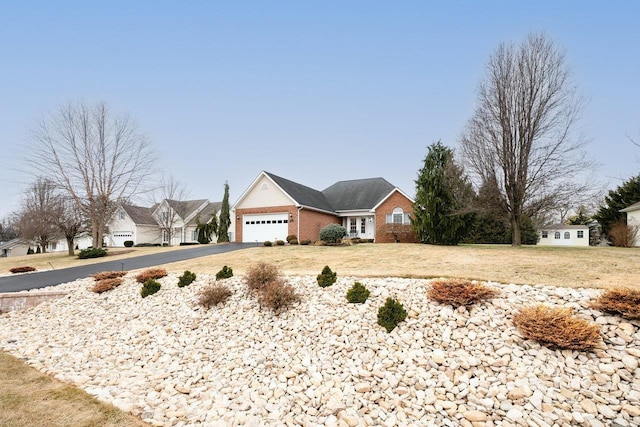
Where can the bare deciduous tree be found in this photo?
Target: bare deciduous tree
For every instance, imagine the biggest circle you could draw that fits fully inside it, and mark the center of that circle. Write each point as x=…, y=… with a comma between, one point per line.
x=38, y=213
x=69, y=221
x=99, y=158
x=522, y=132
x=170, y=198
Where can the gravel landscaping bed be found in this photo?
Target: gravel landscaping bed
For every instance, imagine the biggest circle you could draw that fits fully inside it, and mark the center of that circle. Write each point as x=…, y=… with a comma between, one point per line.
x=325, y=361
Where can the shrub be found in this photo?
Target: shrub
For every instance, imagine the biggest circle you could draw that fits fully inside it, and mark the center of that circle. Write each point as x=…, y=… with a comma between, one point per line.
x=332, y=233
x=260, y=275
x=278, y=295
x=152, y=273
x=556, y=328
x=623, y=235
x=188, y=243
x=327, y=277
x=305, y=242
x=214, y=295
x=92, y=253
x=291, y=237
x=186, y=279
x=268, y=243
x=390, y=314
x=30, y=251
x=108, y=275
x=293, y=242
x=128, y=243
x=23, y=269
x=279, y=242
x=146, y=245
x=460, y=292
x=149, y=287
x=105, y=285
x=622, y=301
x=224, y=273
x=358, y=293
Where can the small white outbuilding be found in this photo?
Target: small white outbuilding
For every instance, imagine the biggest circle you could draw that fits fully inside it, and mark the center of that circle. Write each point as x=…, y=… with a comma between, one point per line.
x=564, y=235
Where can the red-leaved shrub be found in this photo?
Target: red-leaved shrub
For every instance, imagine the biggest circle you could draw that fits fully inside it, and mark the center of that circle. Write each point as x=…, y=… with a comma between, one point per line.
x=152, y=273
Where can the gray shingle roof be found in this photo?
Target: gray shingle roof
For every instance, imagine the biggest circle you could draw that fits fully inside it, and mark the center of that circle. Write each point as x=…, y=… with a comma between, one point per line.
x=633, y=207
x=357, y=194
x=140, y=215
x=205, y=214
x=305, y=196
x=184, y=208
x=565, y=227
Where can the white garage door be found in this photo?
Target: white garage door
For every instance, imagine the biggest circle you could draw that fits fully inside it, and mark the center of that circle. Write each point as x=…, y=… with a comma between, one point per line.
x=119, y=237
x=263, y=227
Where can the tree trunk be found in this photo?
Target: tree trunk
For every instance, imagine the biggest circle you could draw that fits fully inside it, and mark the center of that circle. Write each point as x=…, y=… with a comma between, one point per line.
x=70, y=245
x=516, y=238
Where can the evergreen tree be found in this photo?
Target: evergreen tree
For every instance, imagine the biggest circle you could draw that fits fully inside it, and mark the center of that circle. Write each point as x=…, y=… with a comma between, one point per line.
x=625, y=195
x=208, y=229
x=443, y=195
x=225, y=219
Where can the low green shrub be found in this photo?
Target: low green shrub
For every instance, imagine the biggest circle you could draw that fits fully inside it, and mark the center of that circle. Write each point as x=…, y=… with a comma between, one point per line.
x=305, y=242
x=291, y=237
x=149, y=287
x=23, y=269
x=128, y=243
x=268, y=243
x=189, y=243
x=332, y=233
x=390, y=314
x=293, y=241
x=358, y=293
x=146, y=245
x=214, y=295
x=186, y=279
x=92, y=253
x=279, y=242
x=327, y=277
x=224, y=273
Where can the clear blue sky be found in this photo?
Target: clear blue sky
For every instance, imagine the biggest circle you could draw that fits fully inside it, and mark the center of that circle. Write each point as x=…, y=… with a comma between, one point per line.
x=312, y=91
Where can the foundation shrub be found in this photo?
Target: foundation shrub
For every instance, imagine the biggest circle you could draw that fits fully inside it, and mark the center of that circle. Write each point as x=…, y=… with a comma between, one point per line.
x=106, y=285
x=128, y=243
x=557, y=328
x=460, y=292
x=151, y=273
x=23, y=269
x=186, y=279
x=358, y=293
x=214, y=295
x=224, y=273
x=291, y=237
x=279, y=242
x=149, y=287
x=92, y=253
x=260, y=275
x=332, y=233
x=293, y=242
x=390, y=314
x=327, y=277
x=268, y=243
x=305, y=242
x=278, y=296
x=622, y=301
x=108, y=275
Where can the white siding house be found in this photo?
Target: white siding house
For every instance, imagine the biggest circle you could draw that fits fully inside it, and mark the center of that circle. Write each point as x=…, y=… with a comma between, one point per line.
x=564, y=235
x=633, y=218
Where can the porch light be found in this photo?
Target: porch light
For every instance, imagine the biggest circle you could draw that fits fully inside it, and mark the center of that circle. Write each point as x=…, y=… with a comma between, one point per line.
x=290, y=217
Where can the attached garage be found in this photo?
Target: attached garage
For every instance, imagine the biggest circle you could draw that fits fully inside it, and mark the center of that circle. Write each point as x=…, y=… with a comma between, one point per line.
x=262, y=227
x=119, y=237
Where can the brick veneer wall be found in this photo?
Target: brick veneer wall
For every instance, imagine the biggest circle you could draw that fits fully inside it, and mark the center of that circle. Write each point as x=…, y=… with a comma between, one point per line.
x=394, y=201
x=312, y=221
x=272, y=209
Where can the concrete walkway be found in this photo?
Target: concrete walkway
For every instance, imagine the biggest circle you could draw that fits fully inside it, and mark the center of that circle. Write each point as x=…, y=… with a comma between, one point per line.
x=42, y=279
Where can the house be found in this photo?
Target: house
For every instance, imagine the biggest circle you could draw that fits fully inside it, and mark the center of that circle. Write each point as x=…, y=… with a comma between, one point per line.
x=14, y=247
x=633, y=218
x=564, y=235
x=81, y=241
x=168, y=220
x=274, y=207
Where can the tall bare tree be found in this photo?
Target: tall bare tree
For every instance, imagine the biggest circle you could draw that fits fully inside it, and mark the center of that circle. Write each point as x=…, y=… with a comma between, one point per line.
x=170, y=197
x=100, y=158
x=522, y=132
x=36, y=219
x=69, y=220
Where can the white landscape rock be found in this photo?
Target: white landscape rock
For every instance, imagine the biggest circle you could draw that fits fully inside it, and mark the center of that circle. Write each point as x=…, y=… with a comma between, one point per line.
x=325, y=361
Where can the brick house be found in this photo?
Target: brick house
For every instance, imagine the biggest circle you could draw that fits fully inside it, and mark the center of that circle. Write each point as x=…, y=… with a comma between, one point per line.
x=273, y=208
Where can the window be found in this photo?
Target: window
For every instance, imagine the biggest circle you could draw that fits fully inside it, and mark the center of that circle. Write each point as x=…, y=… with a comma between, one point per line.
x=352, y=226
x=363, y=225
x=194, y=235
x=567, y=235
x=264, y=186
x=122, y=214
x=165, y=236
x=53, y=246
x=398, y=217
x=545, y=234
x=580, y=234
x=165, y=216
x=556, y=235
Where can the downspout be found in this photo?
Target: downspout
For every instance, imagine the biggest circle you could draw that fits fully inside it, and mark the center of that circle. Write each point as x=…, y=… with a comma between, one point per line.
x=298, y=226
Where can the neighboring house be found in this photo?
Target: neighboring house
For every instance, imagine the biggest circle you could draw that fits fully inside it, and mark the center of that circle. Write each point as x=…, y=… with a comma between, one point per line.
x=15, y=247
x=273, y=208
x=81, y=241
x=203, y=216
x=633, y=219
x=135, y=223
x=564, y=235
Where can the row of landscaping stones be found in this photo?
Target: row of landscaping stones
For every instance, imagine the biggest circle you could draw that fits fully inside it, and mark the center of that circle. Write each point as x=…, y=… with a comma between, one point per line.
x=325, y=361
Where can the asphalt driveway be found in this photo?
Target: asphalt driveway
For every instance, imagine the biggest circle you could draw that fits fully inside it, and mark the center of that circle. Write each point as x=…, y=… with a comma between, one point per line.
x=42, y=279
